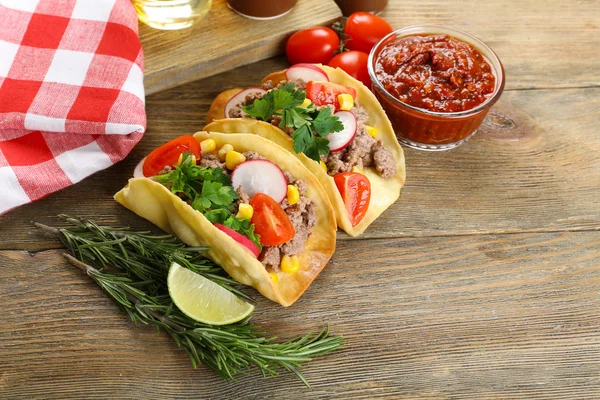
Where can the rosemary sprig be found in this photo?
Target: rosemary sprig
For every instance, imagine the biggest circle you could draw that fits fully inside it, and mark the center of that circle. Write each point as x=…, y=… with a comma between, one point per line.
x=147, y=257
x=131, y=267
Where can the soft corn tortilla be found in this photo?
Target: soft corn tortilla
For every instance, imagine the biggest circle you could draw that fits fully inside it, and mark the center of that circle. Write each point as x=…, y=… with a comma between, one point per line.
x=384, y=192
x=157, y=204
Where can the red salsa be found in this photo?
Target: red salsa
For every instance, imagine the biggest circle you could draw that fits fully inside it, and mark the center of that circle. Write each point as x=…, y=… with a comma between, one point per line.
x=436, y=72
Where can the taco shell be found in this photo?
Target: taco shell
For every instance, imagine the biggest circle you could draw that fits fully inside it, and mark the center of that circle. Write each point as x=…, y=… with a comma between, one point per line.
x=384, y=192
x=157, y=204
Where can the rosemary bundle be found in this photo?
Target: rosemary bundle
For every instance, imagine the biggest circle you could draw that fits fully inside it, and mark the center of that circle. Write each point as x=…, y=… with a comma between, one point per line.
x=132, y=267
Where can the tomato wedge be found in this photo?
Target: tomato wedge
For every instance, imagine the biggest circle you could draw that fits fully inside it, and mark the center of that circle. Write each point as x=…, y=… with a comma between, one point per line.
x=168, y=154
x=355, y=189
x=324, y=93
x=270, y=221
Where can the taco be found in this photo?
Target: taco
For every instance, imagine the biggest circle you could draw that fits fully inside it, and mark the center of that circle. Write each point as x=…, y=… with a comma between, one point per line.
x=264, y=217
x=334, y=125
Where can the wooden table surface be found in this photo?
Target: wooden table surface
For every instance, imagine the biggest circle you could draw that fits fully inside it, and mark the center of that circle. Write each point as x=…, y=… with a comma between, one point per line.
x=482, y=281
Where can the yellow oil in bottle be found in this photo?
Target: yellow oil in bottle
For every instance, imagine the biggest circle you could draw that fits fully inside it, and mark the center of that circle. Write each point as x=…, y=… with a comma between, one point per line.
x=171, y=14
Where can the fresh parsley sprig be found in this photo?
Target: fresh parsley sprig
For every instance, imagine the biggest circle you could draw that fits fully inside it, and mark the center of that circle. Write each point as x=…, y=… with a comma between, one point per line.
x=209, y=191
x=311, y=126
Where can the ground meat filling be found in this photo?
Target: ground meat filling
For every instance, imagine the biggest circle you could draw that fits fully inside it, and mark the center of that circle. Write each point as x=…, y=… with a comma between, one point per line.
x=363, y=150
x=237, y=112
x=303, y=218
x=210, y=160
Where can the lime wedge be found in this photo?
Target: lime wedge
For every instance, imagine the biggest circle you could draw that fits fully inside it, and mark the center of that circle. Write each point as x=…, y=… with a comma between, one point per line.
x=203, y=300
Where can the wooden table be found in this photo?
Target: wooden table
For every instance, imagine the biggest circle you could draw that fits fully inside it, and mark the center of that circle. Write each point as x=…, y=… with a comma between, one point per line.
x=482, y=281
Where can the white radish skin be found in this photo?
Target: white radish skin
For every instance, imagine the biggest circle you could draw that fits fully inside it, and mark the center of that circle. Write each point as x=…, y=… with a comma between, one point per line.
x=339, y=140
x=260, y=176
x=307, y=72
x=240, y=97
x=138, y=171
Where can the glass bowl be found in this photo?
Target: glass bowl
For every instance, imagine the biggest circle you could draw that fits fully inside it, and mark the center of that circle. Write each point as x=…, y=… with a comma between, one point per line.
x=431, y=130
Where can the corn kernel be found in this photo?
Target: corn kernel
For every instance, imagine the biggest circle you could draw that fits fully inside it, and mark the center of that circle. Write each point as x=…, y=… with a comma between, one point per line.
x=274, y=277
x=306, y=103
x=371, y=130
x=223, y=151
x=346, y=101
x=289, y=264
x=233, y=159
x=245, y=211
x=359, y=170
x=208, y=145
x=292, y=194
x=323, y=165
x=180, y=159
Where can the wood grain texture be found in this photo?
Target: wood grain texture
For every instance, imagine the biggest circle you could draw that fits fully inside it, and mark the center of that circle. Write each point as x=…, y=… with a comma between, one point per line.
x=542, y=44
x=221, y=41
x=471, y=317
x=535, y=166
x=481, y=282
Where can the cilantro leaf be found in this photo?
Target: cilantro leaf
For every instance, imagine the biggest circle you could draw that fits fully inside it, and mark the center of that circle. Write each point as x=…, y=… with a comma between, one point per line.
x=225, y=217
x=245, y=227
x=294, y=118
x=310, y=125
x=219, y=175
x=324, y=124
x=261, y=109
x=218, y=194
x=309, y=144
x=208, y=191
x=201, y=204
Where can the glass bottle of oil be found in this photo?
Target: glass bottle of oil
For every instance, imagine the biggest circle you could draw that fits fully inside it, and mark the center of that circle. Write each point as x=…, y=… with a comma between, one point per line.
x=171, y=14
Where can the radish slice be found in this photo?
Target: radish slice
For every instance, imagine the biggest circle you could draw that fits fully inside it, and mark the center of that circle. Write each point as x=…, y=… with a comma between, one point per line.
x=260, y=176
x=307, y=72
x=241, y=239
x=240, y=97
x=339, y=140
x=137, y=172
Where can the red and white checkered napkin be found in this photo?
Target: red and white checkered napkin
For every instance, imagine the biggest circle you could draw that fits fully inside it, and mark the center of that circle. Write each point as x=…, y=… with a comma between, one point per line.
x=71, y=93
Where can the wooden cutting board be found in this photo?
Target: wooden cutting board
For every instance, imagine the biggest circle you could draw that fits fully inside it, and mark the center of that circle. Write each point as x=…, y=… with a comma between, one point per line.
x=222, y=41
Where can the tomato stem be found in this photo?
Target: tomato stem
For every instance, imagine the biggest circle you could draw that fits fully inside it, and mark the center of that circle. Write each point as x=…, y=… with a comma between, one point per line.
x=338, y=27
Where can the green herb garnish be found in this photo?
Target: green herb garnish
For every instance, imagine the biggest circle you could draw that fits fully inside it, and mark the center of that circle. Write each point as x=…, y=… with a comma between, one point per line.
x=209, y=191
x=132, y=267
x=243, y=226
x=311, y=126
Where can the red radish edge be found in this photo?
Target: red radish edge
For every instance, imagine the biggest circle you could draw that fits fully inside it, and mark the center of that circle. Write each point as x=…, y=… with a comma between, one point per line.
x=339, y=140
x=307, y=72
x=138, y=171
x=241, y=239
x=240, y=97
x=249, y=173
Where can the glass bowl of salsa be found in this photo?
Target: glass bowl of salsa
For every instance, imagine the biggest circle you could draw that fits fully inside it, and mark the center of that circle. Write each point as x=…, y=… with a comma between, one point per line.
x=436, y=84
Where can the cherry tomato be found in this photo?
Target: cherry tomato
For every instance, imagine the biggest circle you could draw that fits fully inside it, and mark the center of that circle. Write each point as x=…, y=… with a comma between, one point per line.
x=241, y=239
x=323, y=93
x=270, y=221
x=312, y=45
x=168, y=154
x=354, y=63
x=355, y=189
x=365, y=30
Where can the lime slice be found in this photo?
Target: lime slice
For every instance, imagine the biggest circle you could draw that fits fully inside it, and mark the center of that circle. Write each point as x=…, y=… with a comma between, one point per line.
x=203, y=300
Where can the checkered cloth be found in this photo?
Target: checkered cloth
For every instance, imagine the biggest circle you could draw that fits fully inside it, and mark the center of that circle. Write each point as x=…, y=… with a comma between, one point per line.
x=71, y=93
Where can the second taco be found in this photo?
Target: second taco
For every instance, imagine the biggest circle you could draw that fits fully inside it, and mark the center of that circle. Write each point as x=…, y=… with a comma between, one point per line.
x=334, y=125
